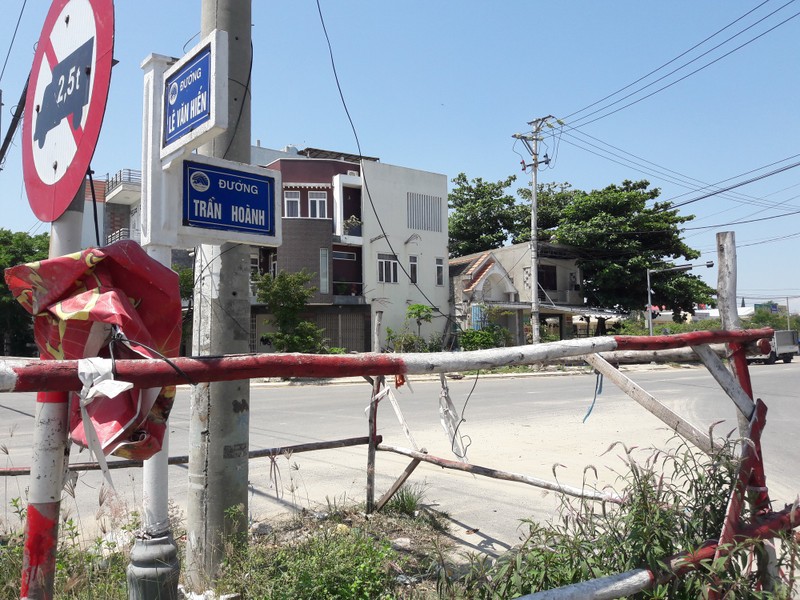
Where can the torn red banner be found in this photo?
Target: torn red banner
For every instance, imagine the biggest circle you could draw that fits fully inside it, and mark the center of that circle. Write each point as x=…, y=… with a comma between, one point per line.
x=112, y=302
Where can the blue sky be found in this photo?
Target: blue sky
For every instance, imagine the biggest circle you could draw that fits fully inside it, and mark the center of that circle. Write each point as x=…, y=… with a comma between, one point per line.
x=442, y=86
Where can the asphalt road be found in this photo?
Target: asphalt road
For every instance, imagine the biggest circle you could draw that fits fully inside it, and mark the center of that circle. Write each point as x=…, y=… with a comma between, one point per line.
x=519, y=424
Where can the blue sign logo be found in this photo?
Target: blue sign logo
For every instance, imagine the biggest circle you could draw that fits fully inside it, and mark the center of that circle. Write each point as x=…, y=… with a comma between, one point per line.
x=187, y=101
x=227, y=199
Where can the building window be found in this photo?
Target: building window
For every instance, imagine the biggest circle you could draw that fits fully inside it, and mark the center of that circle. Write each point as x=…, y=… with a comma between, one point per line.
x=318, y=205
x=547, y=277
x=254, y=272
x=273, y=264
x=424, y=212
x=339, y=255
x=291, y=204
x=439, y=271
x=412, y=269
x=387, y=268
x=324, y=277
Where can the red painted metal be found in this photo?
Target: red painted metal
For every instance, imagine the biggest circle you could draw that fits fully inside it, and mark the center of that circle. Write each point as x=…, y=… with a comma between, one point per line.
x=63, y=375
x=750, y=463
x=39, y=553
x=693, y=338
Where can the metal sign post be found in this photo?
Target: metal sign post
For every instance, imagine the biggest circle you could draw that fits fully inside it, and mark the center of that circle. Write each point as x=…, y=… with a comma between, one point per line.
x=65, y=105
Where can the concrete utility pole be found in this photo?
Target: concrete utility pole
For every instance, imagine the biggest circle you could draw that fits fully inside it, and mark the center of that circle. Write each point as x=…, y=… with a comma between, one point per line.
x=531, y=142
x=220, y=412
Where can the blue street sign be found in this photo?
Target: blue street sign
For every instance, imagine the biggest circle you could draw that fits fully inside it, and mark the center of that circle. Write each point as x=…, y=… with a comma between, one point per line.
x=228, y=199
x=187, y=97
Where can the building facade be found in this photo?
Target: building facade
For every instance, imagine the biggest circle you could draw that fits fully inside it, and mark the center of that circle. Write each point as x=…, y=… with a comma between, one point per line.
x=374, y=236
x=496, y=285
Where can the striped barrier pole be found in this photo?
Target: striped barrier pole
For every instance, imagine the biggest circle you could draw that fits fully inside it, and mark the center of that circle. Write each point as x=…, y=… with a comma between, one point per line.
x=30, y=376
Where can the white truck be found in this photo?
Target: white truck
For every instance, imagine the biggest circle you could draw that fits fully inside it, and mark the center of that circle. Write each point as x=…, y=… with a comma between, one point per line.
x=783, y=346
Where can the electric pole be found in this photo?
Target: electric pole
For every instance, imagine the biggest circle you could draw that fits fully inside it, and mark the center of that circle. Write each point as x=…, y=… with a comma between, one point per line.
x=219, y=424
x=531, y=142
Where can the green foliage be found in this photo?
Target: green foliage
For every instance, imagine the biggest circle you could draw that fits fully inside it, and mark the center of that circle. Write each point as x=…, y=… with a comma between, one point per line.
x=185, y=281
x=335, y=563
x=404, y=340
x=82, y=571
x=16, y=331
x=285, y=297
x=674, y=502
x=491, y=336
x=407, y=500
x=620, y=235
x=766, y=318
x=482, y=215
x=551, y=200
x=619, y=231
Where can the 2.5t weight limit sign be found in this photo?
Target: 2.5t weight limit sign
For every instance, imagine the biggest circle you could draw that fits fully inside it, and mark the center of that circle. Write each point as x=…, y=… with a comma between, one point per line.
x=66, y=101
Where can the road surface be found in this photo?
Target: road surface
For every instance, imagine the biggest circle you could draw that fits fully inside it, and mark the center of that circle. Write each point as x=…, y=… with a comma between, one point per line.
x=519, y=424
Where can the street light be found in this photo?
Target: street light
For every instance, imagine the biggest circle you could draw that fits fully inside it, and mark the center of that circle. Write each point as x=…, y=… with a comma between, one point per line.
x=708, y=265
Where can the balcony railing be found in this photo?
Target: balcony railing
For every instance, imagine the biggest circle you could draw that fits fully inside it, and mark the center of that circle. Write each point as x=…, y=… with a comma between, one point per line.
x=348, y=292
x=119, y=234
x=121, y=177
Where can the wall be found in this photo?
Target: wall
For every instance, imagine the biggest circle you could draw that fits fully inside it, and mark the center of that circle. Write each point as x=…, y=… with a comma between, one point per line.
x=388, y=187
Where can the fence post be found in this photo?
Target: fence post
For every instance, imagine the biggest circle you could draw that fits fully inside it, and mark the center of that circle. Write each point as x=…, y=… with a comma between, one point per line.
x=729, y=315
x=377, y=384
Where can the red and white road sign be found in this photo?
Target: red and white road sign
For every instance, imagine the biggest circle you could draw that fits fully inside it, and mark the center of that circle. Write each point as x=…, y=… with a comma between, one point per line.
x=66, y=102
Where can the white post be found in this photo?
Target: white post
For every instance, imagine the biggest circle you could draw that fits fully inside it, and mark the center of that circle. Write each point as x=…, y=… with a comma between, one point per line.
x=154, y=568
x=649, y=305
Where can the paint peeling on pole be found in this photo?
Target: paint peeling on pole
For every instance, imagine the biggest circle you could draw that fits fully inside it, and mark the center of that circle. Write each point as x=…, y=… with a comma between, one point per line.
x=63, y=375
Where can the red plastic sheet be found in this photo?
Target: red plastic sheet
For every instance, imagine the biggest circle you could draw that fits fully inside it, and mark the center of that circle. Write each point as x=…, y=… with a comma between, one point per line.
x=84, y=305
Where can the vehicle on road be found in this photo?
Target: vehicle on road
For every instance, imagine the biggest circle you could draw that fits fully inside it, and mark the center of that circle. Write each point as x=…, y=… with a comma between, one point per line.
x=783, y=346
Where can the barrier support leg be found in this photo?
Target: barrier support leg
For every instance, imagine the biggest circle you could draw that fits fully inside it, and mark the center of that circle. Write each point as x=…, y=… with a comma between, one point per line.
x=400, y=481
x=373, y=442
x=49, y=459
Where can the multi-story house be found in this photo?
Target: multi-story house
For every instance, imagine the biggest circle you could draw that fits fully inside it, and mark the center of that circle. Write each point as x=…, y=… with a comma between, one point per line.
x=496, y=284
x=373, y=236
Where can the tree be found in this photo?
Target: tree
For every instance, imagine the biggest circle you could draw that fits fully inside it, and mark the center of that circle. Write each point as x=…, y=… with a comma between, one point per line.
x=185, y=281
x=619, y=237
x=551, y=200
x=483, y=215
x=285, y=297
x=15, y=322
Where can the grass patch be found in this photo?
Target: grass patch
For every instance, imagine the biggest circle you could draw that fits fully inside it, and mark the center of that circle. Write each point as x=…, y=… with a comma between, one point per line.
x=675, y=501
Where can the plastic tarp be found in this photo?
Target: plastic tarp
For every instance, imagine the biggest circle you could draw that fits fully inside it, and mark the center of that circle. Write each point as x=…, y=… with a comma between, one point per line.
x=113, y=302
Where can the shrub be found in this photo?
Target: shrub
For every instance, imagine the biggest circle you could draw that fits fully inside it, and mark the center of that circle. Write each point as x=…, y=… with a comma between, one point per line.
x=675, y=501
x=491, y=336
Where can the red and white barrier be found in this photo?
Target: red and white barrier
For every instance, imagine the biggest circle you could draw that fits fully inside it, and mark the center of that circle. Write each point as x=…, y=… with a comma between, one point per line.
x=54, y=375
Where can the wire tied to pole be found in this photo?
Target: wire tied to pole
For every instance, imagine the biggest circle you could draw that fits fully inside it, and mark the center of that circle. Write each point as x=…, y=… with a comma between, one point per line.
x=598, y=389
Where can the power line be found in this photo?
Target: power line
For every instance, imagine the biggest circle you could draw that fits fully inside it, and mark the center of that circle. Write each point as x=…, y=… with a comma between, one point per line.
x=682, y=54
x=13, y=37
x=672, y=176
x=736, y=185
x=364, y=175
x=661, y=89
x=742, y=222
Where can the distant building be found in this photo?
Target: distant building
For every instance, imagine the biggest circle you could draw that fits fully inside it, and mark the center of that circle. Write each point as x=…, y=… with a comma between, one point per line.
x=497, y=284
